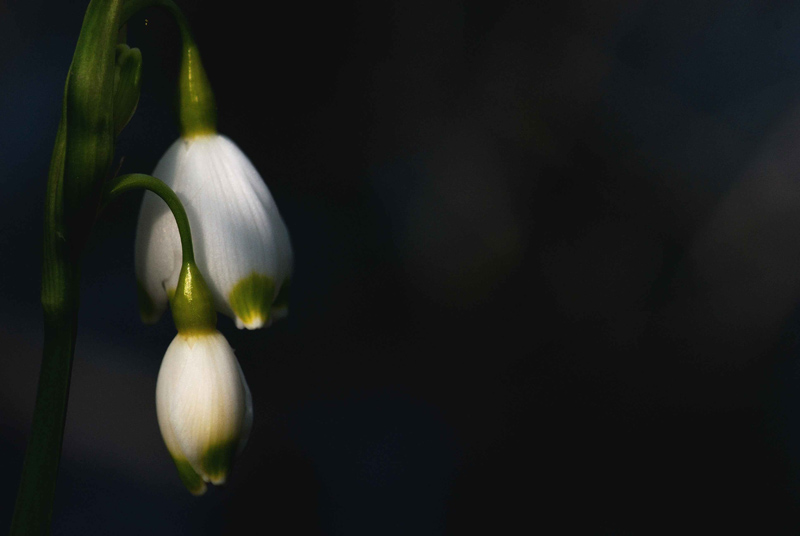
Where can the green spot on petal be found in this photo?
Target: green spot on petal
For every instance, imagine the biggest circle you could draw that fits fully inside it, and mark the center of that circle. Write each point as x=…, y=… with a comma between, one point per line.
x=147, y=309
x=251, y=299
x=189, y=477
x=217, y=461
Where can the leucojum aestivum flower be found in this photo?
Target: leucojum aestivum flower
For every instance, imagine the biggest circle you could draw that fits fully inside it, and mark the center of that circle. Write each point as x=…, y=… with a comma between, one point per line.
x=210, y=239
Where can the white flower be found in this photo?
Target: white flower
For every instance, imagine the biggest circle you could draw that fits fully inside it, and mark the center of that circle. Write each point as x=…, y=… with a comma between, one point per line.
x=241, y=243
x=204, y=407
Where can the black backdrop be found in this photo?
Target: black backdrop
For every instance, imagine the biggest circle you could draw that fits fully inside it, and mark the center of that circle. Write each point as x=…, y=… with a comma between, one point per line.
x=547, y=268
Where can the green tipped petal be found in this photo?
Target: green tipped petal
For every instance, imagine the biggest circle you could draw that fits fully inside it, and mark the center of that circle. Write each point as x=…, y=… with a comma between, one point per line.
x=251, y=299
x=217, y=461
x=204, y=407
x=193, y=482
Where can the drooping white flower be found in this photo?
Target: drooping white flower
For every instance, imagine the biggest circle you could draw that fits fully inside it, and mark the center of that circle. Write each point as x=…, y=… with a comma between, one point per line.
x=204, y=407
x=241, y=243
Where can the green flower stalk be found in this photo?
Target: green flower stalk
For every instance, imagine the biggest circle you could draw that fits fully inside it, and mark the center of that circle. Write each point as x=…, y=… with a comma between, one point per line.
x=197, y=107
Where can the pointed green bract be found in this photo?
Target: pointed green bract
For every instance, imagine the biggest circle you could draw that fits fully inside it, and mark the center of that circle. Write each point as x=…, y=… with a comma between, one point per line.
x=189, y=477
x=251, y=299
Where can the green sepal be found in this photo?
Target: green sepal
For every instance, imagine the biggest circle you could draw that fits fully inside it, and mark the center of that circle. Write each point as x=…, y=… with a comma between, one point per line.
x=192, y=304
x=251, y=299
x=193, y=482
x=127, y=85
x=90, y=118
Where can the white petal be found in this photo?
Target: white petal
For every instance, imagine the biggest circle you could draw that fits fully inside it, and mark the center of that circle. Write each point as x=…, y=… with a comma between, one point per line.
x=168, y=374
x=236, y=227
x=171, y=369
x=201, y=402
x=234, y=235
x=158, y=245
x=280, y=233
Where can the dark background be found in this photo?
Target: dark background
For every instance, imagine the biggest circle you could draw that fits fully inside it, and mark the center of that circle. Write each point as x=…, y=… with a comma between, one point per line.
x=547, y=269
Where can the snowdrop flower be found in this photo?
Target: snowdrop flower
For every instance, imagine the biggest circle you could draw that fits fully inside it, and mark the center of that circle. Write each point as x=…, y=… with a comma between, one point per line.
x=203, y=403
x=204, y=407
x=242, y=245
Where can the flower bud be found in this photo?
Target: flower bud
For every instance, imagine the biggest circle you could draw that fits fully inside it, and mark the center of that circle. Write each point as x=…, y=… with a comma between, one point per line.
x=204, y=407
x=89, y=119
x=241, y=243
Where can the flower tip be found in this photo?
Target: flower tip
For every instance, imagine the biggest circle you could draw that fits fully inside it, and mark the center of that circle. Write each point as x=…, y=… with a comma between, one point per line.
x=193, y=482
x=251, y=300
x=198, y=491
x=253, y=322
x=218, y=480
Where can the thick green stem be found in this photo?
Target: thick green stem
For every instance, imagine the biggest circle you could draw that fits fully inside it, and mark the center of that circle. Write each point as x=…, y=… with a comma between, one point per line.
x=198, y=109
x=60, y=282
x=135, y=181
x=33, y=509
